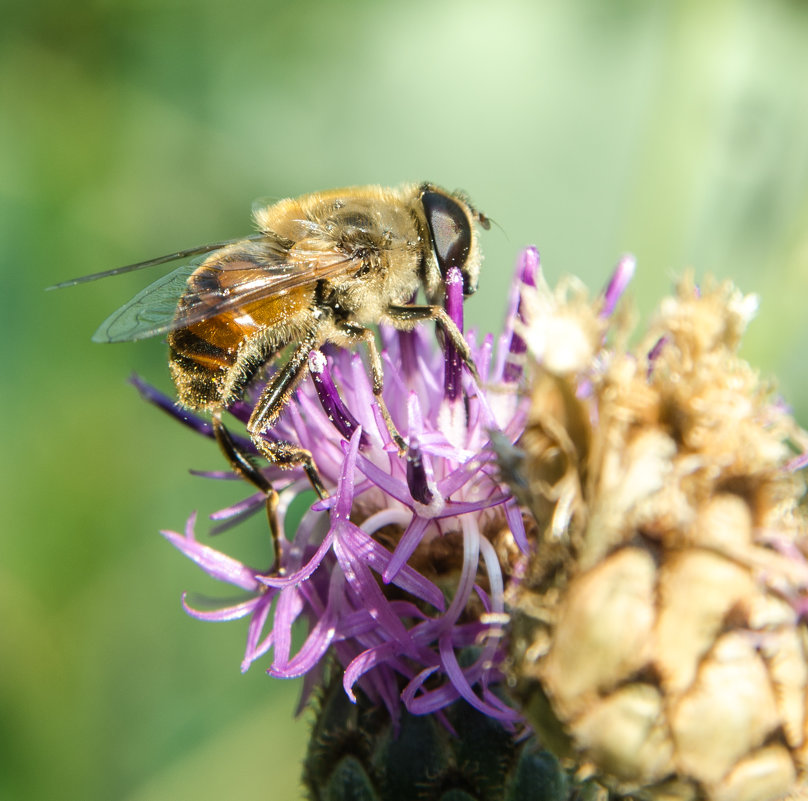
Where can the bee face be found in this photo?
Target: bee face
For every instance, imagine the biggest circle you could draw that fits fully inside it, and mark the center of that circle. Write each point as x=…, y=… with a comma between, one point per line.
x=451, y=231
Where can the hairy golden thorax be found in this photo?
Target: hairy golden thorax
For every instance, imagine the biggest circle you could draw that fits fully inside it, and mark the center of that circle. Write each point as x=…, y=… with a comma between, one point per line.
x=325, y=261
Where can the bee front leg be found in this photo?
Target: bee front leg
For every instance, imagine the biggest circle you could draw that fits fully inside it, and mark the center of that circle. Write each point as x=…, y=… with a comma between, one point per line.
x=412, y=314
x=275, y=396
x=377, y=376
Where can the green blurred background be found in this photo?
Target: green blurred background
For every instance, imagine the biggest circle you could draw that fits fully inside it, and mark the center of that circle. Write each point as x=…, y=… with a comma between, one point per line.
x=678, y=131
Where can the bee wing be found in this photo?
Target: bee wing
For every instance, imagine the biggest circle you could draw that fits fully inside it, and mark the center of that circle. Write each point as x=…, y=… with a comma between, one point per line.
x=236, y=275
x=150, y=312
x=181, y=254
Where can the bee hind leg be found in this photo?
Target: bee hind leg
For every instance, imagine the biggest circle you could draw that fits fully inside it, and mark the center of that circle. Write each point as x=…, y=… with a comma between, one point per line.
x=242, y=465
x=286, y=456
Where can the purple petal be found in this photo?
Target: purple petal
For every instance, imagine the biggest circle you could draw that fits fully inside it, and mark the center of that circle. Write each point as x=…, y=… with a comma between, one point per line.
x=365, y=662
x=364, y=401
x=376, y=556
x=225, y=613
x=328, y=503
x=305, y=572
x=257, y=622
x=360, y=622
x=168, y=405
x=431, y=701
x=483, y=358
x=405, y=547
x=463, y=686
x=463, y=474
x=248, y=505
x=232, y=522
x=219, y=475
x=287, y=610
x=318, y=641
x=620, y=279
x=456, y=675
x=214, y=563
x=408, y=352
x=345, y=487
x=241, y=410
x=395, y=489
x=455, y=508
x=527, y=271
x=361, y=581
x=187, y=418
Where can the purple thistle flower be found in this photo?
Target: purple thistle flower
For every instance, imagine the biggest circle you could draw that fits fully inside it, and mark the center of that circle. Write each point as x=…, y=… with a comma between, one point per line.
x=399, y=571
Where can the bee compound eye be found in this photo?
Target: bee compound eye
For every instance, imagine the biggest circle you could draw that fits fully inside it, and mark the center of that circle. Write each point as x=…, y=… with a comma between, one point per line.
x=449, y=228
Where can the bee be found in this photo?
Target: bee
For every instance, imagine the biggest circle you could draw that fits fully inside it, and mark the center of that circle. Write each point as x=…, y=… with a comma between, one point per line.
x=321, y=268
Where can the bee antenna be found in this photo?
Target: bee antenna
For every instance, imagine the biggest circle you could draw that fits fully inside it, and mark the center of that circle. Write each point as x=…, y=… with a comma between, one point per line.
x=486, y=222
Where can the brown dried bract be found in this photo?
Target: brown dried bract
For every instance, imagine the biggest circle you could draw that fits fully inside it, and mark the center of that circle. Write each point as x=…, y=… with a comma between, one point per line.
x=658, y=641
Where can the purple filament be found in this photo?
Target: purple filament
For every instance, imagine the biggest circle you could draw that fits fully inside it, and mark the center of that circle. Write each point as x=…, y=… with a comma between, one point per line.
x=454, y=308
x=621, y=277
x=329, y=397
x=530, y=264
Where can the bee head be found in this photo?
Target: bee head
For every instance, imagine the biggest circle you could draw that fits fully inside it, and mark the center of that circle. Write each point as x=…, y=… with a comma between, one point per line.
x=449, y=219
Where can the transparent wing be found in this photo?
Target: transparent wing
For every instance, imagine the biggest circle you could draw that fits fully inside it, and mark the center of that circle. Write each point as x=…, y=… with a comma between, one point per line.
x=239, y=274
x=181, y=254
x=150, y=312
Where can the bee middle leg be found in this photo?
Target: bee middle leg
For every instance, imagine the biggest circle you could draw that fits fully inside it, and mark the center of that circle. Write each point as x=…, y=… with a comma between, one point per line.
x=275, y=396
x=377, y=376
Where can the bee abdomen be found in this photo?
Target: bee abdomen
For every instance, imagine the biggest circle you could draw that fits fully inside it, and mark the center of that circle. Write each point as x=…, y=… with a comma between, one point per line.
x=201, y=369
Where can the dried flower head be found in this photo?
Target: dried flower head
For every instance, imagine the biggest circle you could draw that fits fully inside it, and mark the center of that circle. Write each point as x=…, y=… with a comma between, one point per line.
x=659, y=639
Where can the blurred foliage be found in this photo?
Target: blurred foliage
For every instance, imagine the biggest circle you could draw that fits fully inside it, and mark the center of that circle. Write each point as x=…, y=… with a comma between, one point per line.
x=678, y=131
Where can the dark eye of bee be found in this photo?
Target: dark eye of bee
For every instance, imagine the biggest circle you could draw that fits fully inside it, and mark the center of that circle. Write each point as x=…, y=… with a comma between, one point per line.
x=450, y=229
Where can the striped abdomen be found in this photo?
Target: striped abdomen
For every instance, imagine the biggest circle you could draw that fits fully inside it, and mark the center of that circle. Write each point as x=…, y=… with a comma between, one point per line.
x=211, y=360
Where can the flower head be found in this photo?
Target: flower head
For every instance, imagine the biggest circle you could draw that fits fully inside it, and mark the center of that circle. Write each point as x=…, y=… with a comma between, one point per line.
x=399, y=572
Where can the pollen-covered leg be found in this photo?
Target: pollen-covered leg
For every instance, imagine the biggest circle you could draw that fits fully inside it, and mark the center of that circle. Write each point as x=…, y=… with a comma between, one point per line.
x=275, y=396
x=277, y=392
x=242, y=465
x=286, y=456
x=413, y=314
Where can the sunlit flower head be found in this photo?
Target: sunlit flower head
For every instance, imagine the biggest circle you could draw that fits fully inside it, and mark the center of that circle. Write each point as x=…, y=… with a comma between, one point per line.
x=399, y=572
